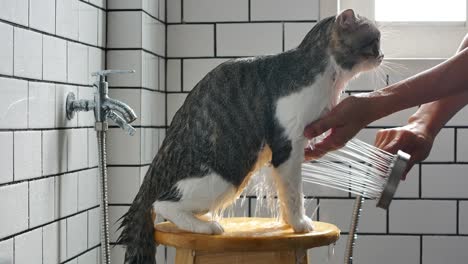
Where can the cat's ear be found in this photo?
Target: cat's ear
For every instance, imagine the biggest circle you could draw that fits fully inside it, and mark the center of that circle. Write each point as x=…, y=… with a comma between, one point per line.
x=346, y=19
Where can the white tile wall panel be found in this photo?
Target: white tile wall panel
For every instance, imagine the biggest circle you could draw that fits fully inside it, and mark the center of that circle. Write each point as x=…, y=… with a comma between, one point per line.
x=124, y=183
x=195, y=69
x=66, y=22
x=42, y=15
x=77, y=149
x=174, y=71
x=85, y=119
x=99, y=3
x=240, y=208
x=409, y=187
x=102, y=25
x=15, y=11
x=147, y=107
x=373, y=219
x=294, y=33
x=443, y=146
x=244, y=39
x=77, y=64
x=422, y=217
x=337, y=212
x=444, y=249
x=77, y=234
x=6, y=156
x=55, y=59
x=94, y=229
x=122, y=148
x=162, y=74
x=27, y=54
x=41, y=105
x=444, y=181
x=118, y=253
x=6, y=49
x=125, y=59
x=124, y=4
x=220, y=10
x=386, y=249
x=150, y=64
x=190, y=40
x=403, y=68
x=54, y=152
x=463, y=217
x=28, y=247
x=88, y=23
x=66, y=198
x=174, y=11
x=41, y=201
x=90, y=257
x=51, y=243
x=333, y=253
x=159, y=108
x=260, y=207
x=399, y=118
x=284, y=9
x=151, y=6
x=115, y=213
x=96, y=59
x=170, y=256
x=162, y=10
x=6, y=251
x=174, y=102
x=459, y=119
x=88, y=193
x=61, y=93
x=462, y=145
x=62, y=236
x=153, y=33
x=92, y=148
x=315, y=190
x=27, y=154
x=369, y=81
x=13, y=199
x=13, y=103
x=129, y=22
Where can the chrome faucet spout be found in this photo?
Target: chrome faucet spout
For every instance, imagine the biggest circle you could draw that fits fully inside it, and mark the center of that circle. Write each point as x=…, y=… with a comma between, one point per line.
x=121, y=123
x=123, y=109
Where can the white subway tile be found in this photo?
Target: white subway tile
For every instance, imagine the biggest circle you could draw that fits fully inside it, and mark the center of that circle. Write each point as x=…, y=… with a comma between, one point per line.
x=151, y=6
x=77, y=239
x=88, y=185
x=6, y=156
x=444, y=181
x=41, y=105
x=13, y=103
x=284, y=9
x=88, y=23
x=162, y=136
x=77, y=63
x=259, y=207
x=337, y=212
x=315, y=190
x=6, y=251
x=77, y=149
x=159, y=108
x=85, y=118
x=122, y=148
x=89, y=257
x=195, y=69
x=147, y=145
x=171, y=252
x=444, y=249
x=245, y=40
x=174, y=11
x=92, y=148
x=410, y=186
x=28, y=247
x=174, y=75
x=6, y=49
x=66, y=198
x=162, y=74
x=13, y=199
x=150, y=71
x=216, y=10
x=190, y=40
x=386, y=249
x=162, y=10
x=54, y=152
x=61, y=93
x=370, y=81
x=67, y=18
x=129, y=22
x=403, y=68
x=423, y=217
x=15, y=11
x=51, y=243
x=174, y=102
x=443, y=146
x=462, y=145
x=118, y=254
x=102, y=28
x=153, y=34
x=396, y=119
x=240, y=208
x=115, y=213
x=55, y=59
x=100, y=3
x=27, y=54
x=333, y=253
x=41, y=201
x=94, y=223
x=62, y=232
x=463, y=217
x=132, y=97
x=124, y=183
x=125, y=60
x=96, y=60
x=294, y=33
x=459, y=119
x=373, y=219
x=42, y=15
x=147, y=106
x=27, y=154
x=124, y=4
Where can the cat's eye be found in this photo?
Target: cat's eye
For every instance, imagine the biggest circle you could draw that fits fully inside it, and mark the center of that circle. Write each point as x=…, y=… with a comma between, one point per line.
x=371, y=43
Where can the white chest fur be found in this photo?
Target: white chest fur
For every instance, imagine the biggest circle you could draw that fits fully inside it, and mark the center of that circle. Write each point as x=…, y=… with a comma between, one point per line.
x=297, y=110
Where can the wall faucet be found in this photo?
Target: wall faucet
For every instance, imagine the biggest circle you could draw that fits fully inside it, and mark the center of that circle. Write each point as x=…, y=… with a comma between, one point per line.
x=103, y=106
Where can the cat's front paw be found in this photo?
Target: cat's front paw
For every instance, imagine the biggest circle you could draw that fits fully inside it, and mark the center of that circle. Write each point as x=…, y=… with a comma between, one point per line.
x=302, y=224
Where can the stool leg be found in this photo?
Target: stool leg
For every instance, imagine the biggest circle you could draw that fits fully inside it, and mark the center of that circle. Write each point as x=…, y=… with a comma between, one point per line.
x=301, y=256
x=184, y=256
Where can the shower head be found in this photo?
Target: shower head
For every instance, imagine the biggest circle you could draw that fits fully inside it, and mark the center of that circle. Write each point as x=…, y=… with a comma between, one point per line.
x=395, y=175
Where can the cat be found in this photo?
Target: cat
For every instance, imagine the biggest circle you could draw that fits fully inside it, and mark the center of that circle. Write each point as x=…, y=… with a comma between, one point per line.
x=242, y=114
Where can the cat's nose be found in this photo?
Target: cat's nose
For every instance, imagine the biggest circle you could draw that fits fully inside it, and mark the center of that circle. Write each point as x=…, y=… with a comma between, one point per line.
x=380, y=57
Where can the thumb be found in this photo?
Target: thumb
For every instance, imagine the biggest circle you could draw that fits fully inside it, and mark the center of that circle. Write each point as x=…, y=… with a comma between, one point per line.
x=319, y=126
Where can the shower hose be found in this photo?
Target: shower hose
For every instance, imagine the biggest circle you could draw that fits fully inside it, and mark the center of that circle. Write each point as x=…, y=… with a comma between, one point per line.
x=348, y=259
x=105, y=248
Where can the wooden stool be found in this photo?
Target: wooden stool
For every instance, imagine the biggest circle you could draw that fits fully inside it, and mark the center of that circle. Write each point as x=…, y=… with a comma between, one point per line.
x=246, y=241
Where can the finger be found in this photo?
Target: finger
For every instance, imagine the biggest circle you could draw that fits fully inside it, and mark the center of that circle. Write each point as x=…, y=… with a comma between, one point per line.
x=312, y=154
x=318, y=127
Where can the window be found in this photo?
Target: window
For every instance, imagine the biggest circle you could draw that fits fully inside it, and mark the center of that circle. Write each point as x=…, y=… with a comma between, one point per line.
x=420, y=10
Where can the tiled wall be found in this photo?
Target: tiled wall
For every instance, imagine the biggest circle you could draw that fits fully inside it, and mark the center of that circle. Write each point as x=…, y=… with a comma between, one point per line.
x=48, y=183
x=426, y=221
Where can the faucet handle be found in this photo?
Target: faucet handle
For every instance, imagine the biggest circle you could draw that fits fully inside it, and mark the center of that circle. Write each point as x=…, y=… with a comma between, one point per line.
x=109, y=72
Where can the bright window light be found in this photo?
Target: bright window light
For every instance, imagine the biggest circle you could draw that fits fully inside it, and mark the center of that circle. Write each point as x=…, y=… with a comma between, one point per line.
x=420, y=10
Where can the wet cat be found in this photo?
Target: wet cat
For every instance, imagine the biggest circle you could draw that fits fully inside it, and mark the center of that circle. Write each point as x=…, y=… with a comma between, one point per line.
x=242, y=114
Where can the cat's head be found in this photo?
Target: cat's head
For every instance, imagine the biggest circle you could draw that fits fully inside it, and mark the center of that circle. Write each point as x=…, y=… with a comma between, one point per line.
x=355, y=42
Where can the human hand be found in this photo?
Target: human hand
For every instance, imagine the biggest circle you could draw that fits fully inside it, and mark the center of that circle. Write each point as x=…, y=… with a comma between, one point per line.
x=413, y=139
x=344, y=121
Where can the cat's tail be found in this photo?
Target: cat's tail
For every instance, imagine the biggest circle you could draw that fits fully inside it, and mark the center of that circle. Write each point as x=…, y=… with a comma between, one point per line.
x=137, y=231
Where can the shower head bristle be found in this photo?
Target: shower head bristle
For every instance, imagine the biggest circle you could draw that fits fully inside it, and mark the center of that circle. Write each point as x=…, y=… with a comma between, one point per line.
x=396, y=173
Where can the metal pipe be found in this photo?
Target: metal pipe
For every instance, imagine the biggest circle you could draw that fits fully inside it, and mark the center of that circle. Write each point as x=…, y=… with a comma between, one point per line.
x=353, y=229
x=101, y=139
